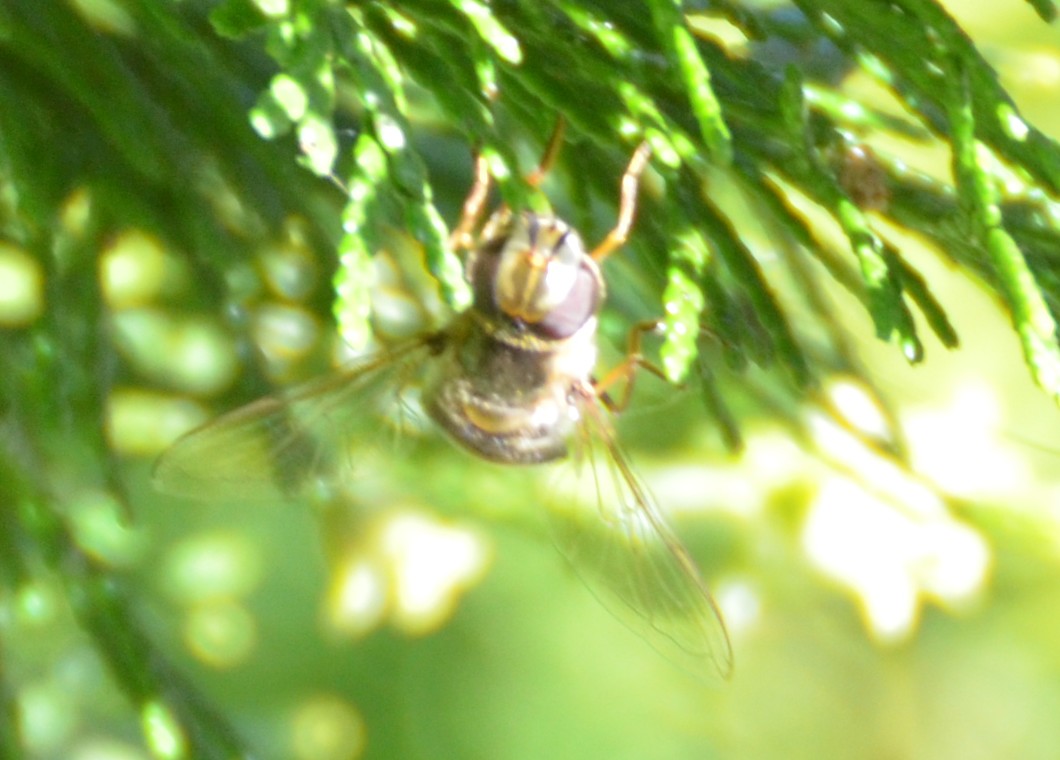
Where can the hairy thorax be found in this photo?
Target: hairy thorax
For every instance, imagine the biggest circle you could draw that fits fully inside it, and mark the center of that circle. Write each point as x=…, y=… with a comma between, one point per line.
x=508, y=399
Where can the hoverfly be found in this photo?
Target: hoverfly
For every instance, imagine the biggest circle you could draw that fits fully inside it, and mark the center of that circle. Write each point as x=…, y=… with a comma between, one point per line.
x=510, y=380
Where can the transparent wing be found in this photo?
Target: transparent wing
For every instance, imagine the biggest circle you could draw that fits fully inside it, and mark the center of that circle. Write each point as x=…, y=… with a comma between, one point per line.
x=288, y=445
x=629, y=558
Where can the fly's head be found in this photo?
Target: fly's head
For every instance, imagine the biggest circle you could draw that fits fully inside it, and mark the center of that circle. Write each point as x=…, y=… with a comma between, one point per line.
x=532, y=272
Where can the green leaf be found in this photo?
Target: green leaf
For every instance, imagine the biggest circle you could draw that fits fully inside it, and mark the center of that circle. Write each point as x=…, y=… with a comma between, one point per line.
x=236, y=19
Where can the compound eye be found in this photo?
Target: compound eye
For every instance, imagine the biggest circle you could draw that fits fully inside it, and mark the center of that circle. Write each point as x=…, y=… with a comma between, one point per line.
x=581, y=303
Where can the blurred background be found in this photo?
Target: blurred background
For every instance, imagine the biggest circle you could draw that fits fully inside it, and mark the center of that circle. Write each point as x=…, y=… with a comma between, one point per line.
x=883, y=540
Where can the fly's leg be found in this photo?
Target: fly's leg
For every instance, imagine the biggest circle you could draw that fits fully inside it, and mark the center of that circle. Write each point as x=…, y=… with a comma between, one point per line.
x=548, y=159
x=627, y=369
x=627, y=204
x=462, y=238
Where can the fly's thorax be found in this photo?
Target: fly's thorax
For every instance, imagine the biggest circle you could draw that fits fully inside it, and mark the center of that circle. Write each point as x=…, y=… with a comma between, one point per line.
x=505, y=396
x=532, y=271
